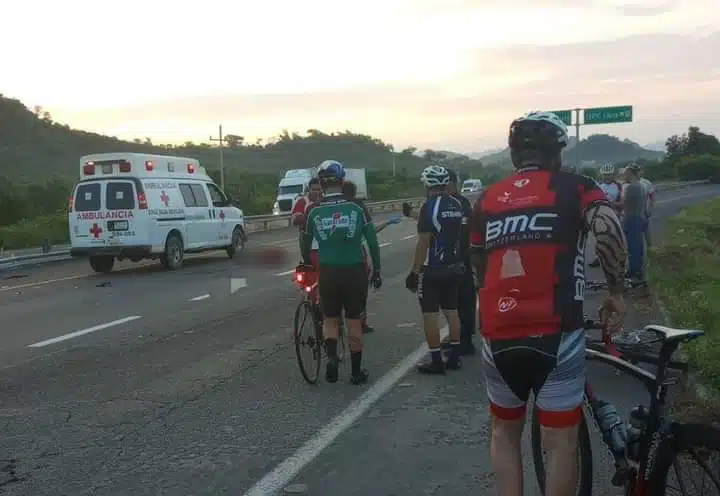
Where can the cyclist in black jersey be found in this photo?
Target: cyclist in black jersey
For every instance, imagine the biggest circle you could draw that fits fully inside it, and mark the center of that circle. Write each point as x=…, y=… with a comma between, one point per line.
x=438, y=266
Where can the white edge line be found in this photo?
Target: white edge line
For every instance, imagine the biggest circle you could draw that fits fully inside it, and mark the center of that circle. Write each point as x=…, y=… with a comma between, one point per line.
x=285, y=472
x=409, y=236
x=285, y=273
x=82, y=332
x=383, y=245
x=201, y=297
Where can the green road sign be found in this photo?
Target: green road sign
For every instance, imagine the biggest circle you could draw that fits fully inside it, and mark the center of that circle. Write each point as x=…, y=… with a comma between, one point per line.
x=608, y=115
x=565, y=115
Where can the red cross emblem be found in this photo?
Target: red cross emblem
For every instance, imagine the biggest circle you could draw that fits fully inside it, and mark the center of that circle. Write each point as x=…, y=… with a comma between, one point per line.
x=164, y=198
x=95, y=230
x=222, y=215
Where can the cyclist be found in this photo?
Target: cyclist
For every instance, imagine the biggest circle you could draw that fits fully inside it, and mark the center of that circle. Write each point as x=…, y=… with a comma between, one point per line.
x=349, y=189
x=339, y=227
x=528, y=237
x=635, y=221
x=613, y=191
x=299, y=211
x=438, y=267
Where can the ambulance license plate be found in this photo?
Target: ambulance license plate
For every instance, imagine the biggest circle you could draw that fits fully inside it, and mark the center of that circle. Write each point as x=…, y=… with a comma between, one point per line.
x=118, y=225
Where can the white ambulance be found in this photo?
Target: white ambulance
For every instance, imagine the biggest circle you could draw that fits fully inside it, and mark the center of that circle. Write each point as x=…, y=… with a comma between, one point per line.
x=135, y=206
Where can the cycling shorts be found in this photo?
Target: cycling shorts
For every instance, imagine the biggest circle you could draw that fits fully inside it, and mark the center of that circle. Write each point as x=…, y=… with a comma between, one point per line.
x=343, y=288
x=551, y=366
x=438, y=289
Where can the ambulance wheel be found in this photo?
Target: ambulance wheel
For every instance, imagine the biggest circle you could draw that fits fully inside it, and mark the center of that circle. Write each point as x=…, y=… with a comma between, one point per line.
x=237, y=244
x=174, y=254
x=102, y=263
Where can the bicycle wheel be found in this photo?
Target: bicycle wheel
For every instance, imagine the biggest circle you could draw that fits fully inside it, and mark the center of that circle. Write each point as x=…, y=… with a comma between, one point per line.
x=305, y=319
x=585, y=462
x=698, y=443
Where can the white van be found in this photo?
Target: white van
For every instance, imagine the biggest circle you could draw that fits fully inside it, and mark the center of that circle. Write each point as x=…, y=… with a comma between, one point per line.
x=135, y=206
x=471, y=186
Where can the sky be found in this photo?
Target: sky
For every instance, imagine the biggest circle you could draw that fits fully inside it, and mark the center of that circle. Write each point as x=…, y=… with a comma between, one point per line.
x=442, y=74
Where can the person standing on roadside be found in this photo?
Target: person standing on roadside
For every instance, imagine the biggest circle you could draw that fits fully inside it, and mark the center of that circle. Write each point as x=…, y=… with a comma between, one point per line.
x=613, y=193
x=650, y=193
x=635, y=220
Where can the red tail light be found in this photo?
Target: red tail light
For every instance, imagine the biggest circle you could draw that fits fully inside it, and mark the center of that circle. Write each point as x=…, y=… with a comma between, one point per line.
x=124, y=166
x=89, y=169
x=149, y=166
x=71, y=203
x=142, y=202
x=299, y=277
x=191, y=168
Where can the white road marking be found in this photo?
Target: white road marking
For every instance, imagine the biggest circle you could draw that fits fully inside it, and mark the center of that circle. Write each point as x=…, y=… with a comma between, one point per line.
x=275, y=481
x=410, y=236
x=383, y=245
x=82, y=332
x=287, y=272
x=201, y=297
x=237, y=283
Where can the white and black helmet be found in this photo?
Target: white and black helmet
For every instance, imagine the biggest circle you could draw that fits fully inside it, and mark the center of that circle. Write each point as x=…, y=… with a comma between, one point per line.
x=435, y=175
x=538, y=131
x=607, y=170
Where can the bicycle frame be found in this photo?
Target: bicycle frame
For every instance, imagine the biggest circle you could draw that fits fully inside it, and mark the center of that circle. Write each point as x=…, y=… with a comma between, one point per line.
x=656, y=428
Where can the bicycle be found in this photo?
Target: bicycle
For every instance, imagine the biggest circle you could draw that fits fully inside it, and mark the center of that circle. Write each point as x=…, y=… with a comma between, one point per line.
x=629, y=284
x=647, y=447
x=309, y=306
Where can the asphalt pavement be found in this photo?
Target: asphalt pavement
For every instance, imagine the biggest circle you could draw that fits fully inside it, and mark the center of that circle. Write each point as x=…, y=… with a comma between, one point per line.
x=151, y=382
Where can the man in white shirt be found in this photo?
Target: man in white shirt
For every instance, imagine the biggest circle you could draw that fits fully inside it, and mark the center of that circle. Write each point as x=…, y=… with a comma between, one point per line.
x=649, y=188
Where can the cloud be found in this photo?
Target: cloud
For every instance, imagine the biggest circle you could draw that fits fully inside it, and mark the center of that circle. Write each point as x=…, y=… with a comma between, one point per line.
x=672, y=80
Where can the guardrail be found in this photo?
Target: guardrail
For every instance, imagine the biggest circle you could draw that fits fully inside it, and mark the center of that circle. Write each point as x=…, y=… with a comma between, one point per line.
x=254, y=223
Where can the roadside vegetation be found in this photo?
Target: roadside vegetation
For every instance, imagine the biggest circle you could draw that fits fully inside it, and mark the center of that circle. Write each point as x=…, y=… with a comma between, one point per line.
x=685, y=271
x=39, y=162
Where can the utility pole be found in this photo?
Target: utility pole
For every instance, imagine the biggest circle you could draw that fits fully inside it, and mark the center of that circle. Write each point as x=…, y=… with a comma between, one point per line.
x=393, y=165
x=222, y=165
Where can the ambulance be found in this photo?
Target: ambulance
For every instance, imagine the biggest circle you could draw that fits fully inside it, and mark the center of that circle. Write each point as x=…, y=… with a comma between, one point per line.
x=135, y=206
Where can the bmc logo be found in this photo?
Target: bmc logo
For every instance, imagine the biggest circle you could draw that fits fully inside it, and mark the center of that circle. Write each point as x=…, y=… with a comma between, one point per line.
x=519, y=224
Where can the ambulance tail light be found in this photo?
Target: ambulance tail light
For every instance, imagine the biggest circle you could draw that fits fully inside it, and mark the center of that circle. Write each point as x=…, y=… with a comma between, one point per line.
x=124, y=166
x=142, y=201
x=191, y=168
x=71, y=203
x=149, y=166
x=89, y=169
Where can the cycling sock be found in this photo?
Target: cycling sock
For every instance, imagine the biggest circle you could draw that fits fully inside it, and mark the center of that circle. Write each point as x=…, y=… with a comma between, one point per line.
x=454, y=347
x=355, y=362
x=436, y=355
x=331, y=347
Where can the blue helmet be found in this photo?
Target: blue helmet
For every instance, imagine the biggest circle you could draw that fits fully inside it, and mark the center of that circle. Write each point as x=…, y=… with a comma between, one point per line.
x=331, y=169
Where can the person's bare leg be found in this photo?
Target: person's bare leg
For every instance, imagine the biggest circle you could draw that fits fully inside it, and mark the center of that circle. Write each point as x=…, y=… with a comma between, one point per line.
x=453, y=320
x=331, y=326
x=506, y=456
x=561, y=464
x=431, y=325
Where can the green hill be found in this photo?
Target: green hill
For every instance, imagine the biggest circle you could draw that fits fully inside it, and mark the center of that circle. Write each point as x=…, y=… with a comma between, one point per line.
x=34, y=148
x=597, y=148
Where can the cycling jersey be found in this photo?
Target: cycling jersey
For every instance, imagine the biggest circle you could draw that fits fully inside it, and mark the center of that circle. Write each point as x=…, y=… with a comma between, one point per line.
x=441, y=216
x=301, y=207
x=532, y=230
x=339, y=227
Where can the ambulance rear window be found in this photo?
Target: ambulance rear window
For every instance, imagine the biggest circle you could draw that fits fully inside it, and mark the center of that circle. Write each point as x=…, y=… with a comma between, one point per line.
x=87, y=197
x=119, y=196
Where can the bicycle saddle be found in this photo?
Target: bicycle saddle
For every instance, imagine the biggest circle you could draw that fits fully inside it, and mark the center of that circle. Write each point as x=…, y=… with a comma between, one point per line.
x=673, y=334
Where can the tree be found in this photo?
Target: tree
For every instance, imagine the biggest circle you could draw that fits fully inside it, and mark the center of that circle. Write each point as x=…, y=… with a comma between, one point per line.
x=234, y=141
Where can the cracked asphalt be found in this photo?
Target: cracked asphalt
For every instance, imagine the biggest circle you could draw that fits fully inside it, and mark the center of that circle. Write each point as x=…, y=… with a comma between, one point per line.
x=203, y=396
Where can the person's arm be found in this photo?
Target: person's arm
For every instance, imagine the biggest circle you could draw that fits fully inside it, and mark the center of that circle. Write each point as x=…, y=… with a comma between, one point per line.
x=372, y=242
x=423, y=240
x=478, y=255
x=379, y=226
x=298, y=212
x=306, y=239
x=610, y=244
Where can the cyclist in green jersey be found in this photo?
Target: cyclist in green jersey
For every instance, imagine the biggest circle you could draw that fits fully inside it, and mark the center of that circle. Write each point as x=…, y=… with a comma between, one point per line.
x=339, y=226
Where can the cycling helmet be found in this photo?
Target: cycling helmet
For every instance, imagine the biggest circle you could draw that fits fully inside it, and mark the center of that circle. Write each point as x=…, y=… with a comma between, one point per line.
x=435, y=175
x=539, y=131
x=607, y=170
x=331, y=169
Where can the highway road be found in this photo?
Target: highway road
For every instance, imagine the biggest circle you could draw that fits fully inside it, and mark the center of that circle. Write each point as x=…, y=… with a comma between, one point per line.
x=151, y=382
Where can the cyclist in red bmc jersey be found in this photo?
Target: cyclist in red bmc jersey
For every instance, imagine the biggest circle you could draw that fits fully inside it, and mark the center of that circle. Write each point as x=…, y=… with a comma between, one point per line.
x=528, y=237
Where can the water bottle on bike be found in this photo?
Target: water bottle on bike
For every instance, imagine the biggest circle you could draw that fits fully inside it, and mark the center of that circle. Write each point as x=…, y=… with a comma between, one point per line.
x=612, y=427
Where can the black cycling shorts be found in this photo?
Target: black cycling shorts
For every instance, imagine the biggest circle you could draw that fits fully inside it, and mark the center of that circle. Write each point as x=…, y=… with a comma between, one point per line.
x=438, y=289
x=343, y=287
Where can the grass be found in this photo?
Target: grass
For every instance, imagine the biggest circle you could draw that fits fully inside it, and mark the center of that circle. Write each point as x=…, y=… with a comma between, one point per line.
x=31, y=233
x=685, y=271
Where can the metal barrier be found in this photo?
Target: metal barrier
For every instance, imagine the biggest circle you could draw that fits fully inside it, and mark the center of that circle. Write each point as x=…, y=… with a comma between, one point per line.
x=253, y=224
